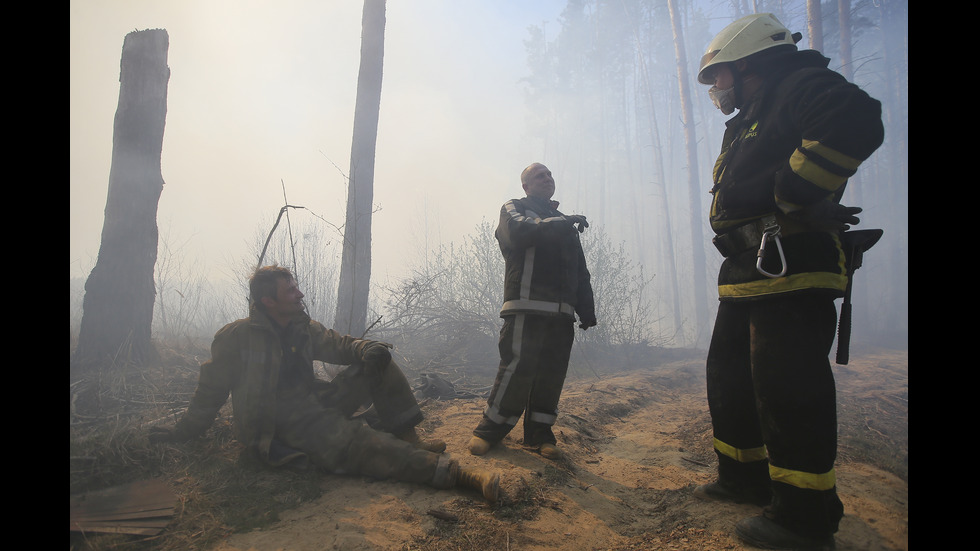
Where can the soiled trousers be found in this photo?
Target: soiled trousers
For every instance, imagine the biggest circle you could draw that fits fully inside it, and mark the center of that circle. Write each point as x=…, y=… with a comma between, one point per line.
x=534, y=352
x=316, y=423
x=771, y=389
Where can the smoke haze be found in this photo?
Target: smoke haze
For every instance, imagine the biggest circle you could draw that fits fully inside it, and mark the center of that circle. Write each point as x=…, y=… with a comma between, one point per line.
x=262, y=93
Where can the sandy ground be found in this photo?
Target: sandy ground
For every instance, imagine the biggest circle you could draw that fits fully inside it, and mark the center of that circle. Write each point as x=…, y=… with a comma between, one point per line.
x=637, y=443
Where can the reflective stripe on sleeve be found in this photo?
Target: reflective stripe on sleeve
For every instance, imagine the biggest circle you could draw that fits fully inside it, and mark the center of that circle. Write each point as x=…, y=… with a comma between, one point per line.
x=822, y=166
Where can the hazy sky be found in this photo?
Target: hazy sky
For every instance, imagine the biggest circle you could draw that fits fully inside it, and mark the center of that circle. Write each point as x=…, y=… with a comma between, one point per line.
x=261, y=92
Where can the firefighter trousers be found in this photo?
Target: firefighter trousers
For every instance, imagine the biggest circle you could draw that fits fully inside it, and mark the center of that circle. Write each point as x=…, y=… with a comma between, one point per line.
x=773, y=400
x=534, y=352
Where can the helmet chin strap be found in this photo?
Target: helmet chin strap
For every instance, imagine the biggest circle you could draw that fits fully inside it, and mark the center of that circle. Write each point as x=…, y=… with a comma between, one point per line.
x=737, y=79
x=740, y=78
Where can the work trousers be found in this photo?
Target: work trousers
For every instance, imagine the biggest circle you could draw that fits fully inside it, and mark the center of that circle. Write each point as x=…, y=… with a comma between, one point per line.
x=534, y=352
x=316, y=424
x=772, y=397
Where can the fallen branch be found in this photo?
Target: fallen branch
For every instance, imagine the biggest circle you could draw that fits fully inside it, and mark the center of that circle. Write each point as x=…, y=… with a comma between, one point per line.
x=696, y=462
x=442, y=515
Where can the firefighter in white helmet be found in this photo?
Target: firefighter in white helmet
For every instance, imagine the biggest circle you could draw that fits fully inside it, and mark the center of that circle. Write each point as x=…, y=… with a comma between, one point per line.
x=800, y=132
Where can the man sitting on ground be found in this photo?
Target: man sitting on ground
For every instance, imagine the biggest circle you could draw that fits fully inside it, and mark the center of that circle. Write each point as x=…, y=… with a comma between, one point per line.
x=286, y=416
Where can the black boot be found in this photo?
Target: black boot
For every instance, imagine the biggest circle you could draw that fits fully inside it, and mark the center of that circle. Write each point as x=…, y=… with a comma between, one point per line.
x=719, y=491
x=765, y=533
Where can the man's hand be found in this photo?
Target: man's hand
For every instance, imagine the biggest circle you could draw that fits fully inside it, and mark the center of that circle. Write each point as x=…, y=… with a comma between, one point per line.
x=586, y=323
x=847, y=215
x=828, y=215
x=376, y=354
x=160, y=435
x=578, y=219
x=578, y=222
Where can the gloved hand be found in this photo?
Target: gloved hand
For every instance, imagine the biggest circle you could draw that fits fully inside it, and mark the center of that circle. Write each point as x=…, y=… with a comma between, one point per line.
x=828, y=215
x=586, y=323
x=847, y=215
x=160, y=435
x=578, y=219
x=376, y=354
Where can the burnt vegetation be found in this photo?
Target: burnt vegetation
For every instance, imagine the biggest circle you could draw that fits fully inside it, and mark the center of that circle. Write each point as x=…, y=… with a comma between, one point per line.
x=443, y=319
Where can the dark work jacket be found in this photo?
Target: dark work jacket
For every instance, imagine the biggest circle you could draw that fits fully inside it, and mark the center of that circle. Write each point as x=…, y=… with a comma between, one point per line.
x=545, y=266
x=789, y=148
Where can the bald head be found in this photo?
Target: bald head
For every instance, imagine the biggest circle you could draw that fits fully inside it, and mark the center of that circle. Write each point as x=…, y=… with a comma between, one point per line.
x=537, y=181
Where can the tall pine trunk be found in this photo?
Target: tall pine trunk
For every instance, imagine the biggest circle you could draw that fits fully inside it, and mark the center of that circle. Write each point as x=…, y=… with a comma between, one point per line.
x=355, y=266
x=844, y=24
x=694, y=185
x=814, y=20
x=660, y=180
x=894, y=51
x=119, y=293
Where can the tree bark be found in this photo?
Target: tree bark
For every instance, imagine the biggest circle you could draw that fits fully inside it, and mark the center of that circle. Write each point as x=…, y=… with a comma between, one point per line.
x=658, y=163
x=814, y=18
x=894, y=26
x=119, y=293
x=844, y=24
x=694, y=186
x=355, y=267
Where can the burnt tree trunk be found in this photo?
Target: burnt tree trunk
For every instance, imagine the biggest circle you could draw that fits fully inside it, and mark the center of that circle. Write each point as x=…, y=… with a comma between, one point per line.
x=119, y=293
x=355, y=264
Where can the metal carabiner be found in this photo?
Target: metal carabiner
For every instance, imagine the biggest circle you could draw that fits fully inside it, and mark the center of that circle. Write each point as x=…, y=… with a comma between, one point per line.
x=771, y=231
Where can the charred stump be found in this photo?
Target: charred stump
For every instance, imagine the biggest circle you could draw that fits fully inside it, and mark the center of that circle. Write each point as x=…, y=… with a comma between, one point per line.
x=119, y=293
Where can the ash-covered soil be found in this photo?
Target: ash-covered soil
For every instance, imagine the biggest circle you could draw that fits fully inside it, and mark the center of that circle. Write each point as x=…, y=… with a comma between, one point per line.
x=637, y=443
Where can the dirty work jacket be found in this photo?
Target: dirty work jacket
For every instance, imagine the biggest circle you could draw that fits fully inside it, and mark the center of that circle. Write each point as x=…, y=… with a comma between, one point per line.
x=246, y=360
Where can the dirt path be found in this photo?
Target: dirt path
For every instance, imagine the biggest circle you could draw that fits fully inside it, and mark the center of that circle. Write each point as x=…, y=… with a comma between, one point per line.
x=637, y=443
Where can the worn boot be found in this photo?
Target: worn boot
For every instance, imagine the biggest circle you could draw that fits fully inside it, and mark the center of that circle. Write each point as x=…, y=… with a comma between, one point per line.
x=485, y=482
x=739, y=482
x=479, y=446
x=765, y=533
x=412, y=437
x=550, y=451
x=717, y=491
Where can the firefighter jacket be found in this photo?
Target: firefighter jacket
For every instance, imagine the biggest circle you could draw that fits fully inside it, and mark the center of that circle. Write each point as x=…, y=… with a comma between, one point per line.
x=788, y=153
x=545, y=270
x=246, y=360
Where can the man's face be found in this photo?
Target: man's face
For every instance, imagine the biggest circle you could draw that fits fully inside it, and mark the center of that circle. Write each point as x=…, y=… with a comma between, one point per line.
x=722, y=94
x=288, y=301
x=539, y=183
x=723, y=77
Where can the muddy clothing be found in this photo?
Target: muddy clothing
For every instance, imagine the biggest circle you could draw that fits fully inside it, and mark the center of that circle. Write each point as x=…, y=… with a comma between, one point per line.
x=771, y=391
x=283, y=414
x=546, y=283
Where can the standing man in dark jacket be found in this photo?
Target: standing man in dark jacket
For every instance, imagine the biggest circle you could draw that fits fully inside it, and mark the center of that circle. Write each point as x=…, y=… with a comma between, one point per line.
x=284, y=415
x=800, y=132
x=545, y=285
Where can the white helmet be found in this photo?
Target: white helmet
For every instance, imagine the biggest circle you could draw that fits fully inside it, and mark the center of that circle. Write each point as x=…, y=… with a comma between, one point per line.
x=750, y=34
